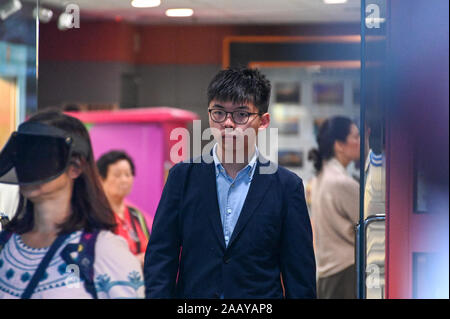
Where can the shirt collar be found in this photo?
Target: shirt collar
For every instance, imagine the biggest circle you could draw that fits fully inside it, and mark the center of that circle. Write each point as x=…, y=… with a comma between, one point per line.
x=334, y=162
x=249, y=168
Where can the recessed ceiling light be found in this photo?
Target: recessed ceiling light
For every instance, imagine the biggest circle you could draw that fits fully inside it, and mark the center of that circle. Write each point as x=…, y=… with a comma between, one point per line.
x=334, y=1
x=145, y=3
x=182, y=12
x=45, y=15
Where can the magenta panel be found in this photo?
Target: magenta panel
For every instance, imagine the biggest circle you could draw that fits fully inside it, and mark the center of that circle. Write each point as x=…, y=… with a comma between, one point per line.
x=144, y=143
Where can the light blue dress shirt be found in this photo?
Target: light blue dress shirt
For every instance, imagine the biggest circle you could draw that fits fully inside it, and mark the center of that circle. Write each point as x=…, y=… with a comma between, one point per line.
x=232, y=193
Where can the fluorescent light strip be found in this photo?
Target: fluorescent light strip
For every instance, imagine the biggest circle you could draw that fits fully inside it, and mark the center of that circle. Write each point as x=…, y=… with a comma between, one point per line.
x=145, y=3
x=181, y=12
x=334, y=1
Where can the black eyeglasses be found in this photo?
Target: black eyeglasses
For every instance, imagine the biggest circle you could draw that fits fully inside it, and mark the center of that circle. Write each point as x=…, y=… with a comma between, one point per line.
x=239, y=117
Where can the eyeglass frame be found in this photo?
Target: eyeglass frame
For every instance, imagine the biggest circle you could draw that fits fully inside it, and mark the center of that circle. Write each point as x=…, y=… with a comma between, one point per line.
x=232, y=116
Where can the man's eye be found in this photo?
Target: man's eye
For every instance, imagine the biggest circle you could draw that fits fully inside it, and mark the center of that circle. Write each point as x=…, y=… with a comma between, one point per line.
x=218, y=112
x=243, y=114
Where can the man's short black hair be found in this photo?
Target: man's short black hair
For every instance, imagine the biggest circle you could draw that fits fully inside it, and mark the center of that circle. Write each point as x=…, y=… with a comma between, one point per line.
x=110, y=158
x=241, y=85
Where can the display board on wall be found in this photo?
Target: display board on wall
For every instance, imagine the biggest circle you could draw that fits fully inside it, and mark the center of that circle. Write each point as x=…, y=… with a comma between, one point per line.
x=302, y=99
x=242, y=50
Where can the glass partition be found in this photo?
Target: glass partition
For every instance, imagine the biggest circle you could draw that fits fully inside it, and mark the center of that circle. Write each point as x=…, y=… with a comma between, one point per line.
x=371, y=233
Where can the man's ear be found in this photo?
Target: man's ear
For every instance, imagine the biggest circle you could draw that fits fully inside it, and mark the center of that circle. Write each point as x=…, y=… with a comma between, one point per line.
x=74, y=169
x=265, y=121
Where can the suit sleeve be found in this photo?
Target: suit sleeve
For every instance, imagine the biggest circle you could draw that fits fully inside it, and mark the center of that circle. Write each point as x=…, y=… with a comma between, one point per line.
x=298, y=267
x=163, y=249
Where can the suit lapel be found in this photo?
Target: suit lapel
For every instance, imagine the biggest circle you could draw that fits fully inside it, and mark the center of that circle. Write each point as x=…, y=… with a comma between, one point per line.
x=258, y=188
x=212, y=203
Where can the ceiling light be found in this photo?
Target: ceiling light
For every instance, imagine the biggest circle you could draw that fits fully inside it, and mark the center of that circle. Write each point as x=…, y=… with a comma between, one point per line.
x=334, y=1
x=45, y=15
x=8, y=8
x=185, y=12
x=145, y=3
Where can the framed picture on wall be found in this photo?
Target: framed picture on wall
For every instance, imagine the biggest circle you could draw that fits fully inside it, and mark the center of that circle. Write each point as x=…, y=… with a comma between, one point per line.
x=328, y=93
x=290, y=158
x=288, y=126
x=287, y=92
x=286, y=119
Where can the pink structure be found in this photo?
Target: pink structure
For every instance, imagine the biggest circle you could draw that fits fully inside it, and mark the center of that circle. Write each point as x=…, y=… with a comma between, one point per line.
x=145, y=135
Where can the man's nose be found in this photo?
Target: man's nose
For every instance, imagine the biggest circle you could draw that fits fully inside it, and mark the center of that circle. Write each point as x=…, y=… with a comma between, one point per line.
x=229, y=122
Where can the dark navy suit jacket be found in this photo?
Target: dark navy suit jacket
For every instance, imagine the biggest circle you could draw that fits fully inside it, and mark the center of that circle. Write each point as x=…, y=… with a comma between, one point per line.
x=270, y=249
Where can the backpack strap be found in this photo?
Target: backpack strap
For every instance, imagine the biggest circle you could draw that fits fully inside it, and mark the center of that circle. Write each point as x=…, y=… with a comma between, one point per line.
x=85, y=259
x=4, y=237
x=134, y=220
x=43, y=266
x=140, y=219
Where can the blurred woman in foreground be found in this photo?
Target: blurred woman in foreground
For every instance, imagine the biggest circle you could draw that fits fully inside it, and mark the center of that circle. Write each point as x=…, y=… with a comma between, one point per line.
x=59, y=243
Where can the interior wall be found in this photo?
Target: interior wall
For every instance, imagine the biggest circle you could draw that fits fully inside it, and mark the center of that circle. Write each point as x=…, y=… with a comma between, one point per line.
x=62, y=82
x=173, y=64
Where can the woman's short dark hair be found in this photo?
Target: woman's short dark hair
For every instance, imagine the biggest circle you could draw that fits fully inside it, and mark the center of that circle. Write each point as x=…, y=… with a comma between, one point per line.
x=90, y=207
x=110, y=158
x=333, y=129
x=241, y=85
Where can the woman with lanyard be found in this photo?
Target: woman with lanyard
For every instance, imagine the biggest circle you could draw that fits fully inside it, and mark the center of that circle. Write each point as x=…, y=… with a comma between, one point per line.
x=117, y=172
x=59, y=243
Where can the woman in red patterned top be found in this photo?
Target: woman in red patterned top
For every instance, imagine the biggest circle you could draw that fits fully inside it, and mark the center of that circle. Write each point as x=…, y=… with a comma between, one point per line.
x=117, y=172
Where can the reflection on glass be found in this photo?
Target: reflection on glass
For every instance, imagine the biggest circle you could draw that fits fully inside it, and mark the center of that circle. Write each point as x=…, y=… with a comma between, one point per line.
x=374, y=195
x=375, y=256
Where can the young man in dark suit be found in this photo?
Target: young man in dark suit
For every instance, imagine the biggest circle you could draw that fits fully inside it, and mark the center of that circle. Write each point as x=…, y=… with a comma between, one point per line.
x=227, y=227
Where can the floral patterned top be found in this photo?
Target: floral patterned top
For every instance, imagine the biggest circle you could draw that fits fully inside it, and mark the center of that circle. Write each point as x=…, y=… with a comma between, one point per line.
x=117, y=272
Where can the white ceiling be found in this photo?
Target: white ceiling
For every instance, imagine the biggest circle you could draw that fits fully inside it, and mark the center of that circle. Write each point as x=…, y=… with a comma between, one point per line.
x=220, y=11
